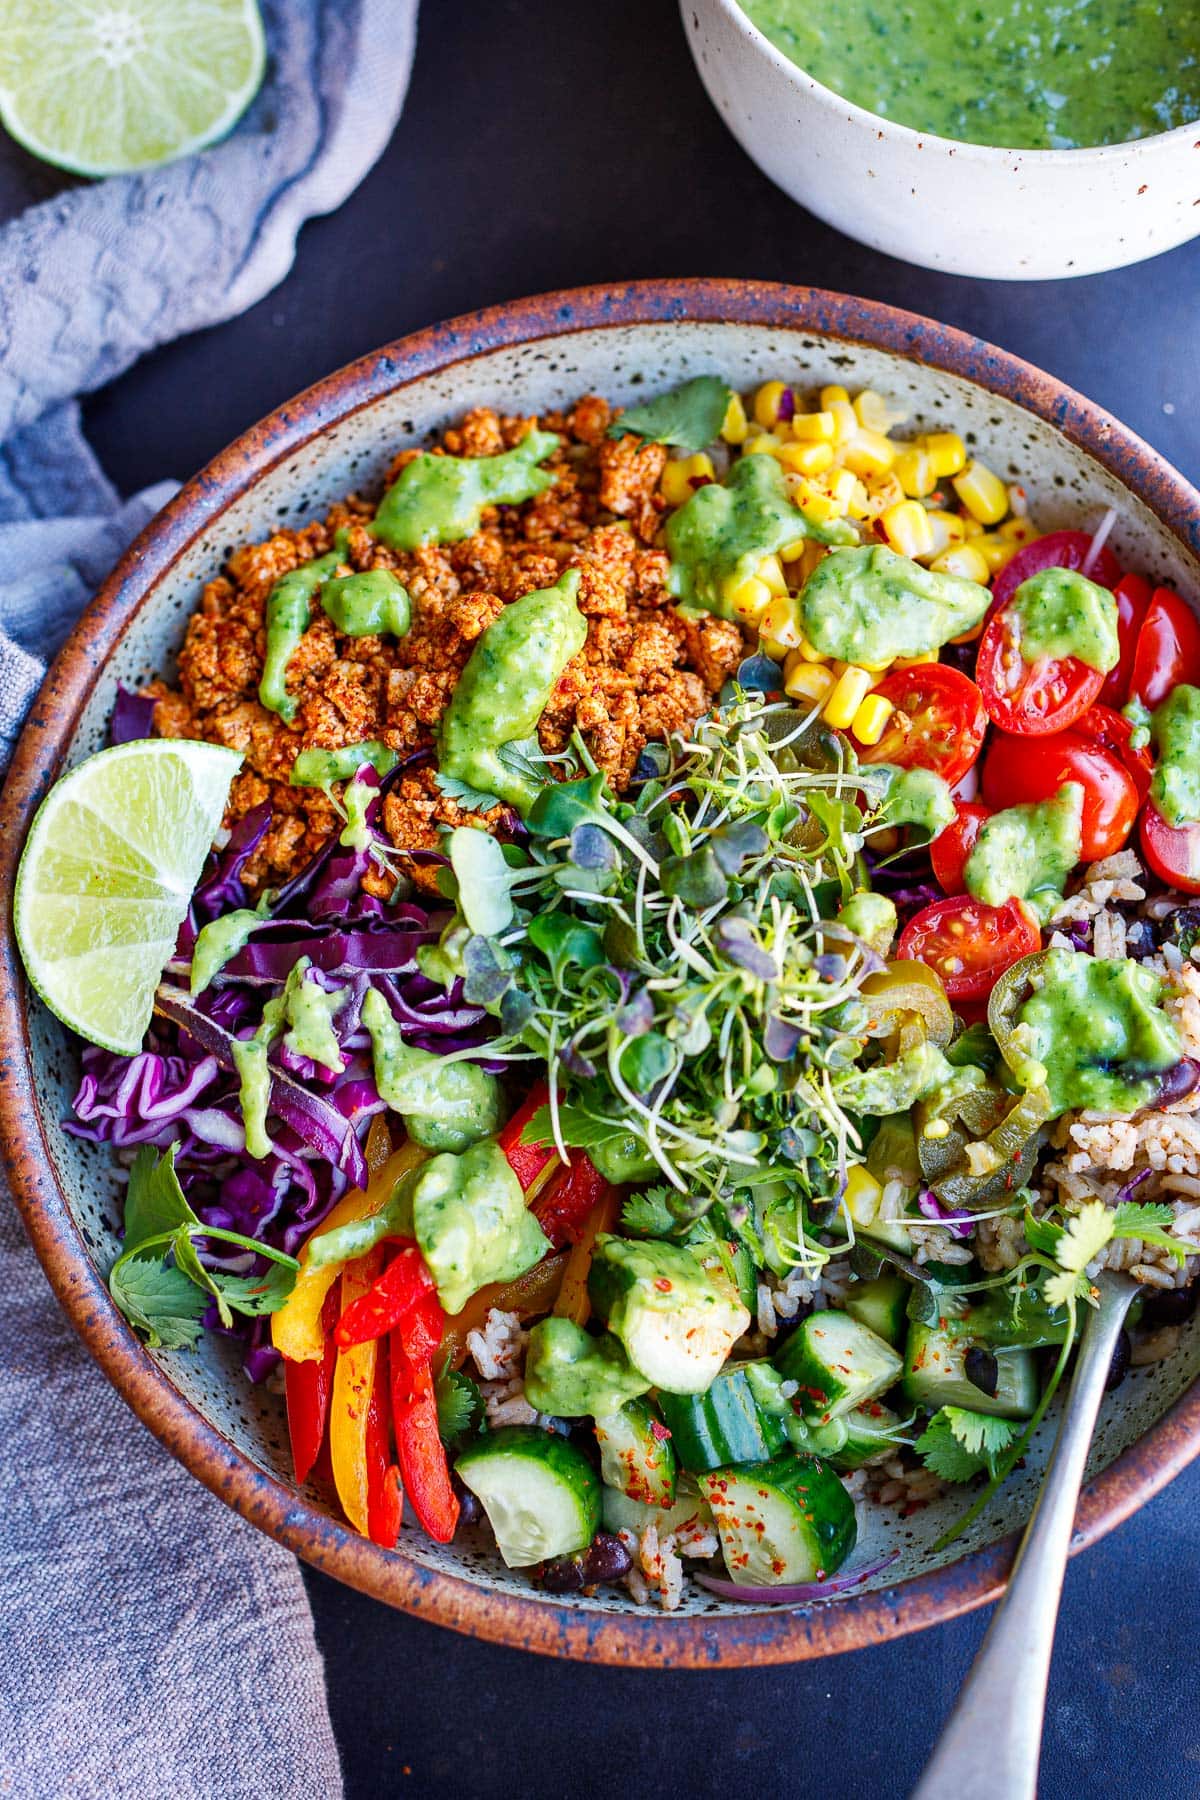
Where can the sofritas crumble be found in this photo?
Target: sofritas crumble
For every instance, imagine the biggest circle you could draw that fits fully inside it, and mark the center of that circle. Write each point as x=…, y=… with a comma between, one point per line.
x=642, y=673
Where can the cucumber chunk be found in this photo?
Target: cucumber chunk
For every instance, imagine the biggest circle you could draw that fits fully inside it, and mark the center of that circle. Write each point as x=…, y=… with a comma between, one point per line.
x=837, y=1364
x=935, y=1372
x=621, y=1513
x=725, y=1424
x=636, y=1454
x=880, y=1306
x=541, y=1495
x=788, y=1520
x=677, y=1320
x=853, y=1439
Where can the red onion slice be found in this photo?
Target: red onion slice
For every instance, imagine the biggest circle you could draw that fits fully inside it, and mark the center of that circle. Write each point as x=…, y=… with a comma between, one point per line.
x=793, y=1596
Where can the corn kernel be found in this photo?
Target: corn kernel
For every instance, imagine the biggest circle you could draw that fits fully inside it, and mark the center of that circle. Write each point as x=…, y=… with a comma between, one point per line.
x=733, y=427
x=834, y=395
x=809, y=651
x=1019, y=531
x=762, y=443
x=982, y=493
x=869, y=453
x=819, y=506
x=876, y=669
x=795, y=550
x=912, y=662
x=849, y=691
x=781, y=624
x=946, y=451
x=845, y=421
x=966, y=560
x=859, y=505
x=680, y=478
x=914, y=472
x=871, y=718
x=947, y=528
x=771, y=647
x=770, y=573
x=814, y=427
x=907, y=528
x=807, y=681
x=749, y=599
x=995, y=550
x=807, y=459
x=862, y=1195
x=875, y=414
x=766, y=402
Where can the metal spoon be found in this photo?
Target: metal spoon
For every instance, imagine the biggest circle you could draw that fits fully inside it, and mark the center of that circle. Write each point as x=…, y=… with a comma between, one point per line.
x=990, y=1748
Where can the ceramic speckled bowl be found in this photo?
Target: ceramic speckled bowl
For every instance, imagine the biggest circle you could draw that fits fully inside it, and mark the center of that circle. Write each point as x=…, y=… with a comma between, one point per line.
x=625, y=342
x=970, y=209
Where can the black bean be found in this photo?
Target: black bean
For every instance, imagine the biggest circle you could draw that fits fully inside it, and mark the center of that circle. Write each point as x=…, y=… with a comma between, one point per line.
x=1178, y=1081
x=563, y=1576
x=606, y=1558
x=469, y=1510
x=1140, y=940
x=1170, y=1306
x=982, y=1370
x=1118, y=1368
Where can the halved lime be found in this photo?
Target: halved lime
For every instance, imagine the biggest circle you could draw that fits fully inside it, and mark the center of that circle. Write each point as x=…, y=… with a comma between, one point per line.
x=106, y=875
x=101, y=87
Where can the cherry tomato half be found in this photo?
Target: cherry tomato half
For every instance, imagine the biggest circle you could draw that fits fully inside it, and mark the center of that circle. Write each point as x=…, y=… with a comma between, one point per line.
x=1031, y=699
x=1173, y=851
x=1168, y=649
x=1113, y=732
x=951, y=848
x=938, y=722
x=1132, y=595
x=1017, y=770
x=968, y=944
x=1057, y=550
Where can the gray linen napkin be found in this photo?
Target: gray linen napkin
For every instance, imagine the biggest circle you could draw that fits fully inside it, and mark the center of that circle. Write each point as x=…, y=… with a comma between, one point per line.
x=154, y=1644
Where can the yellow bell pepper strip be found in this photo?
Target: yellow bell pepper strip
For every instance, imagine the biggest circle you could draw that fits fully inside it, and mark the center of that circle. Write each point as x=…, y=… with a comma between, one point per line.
x=296, y=1330
x=378, y=1146
x=529, y=1296
x=573, y=1302
x=350, y=1402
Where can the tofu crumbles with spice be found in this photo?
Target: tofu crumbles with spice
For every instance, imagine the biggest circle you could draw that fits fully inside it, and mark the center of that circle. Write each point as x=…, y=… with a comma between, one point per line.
x=722, y=1145
x=643, y=672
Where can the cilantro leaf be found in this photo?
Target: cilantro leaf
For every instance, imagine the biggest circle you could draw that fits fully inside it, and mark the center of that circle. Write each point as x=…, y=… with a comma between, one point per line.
x=1084, y=1237
x=1041, y=1234
x=154, y=1200
x=958, y=1444
x=689, y=417
x=1147, y=1220
x=649, y=1214
x=471, y=799
x=158, y=1298
x=459, y=1407
x=255, y=1294
x=578, y=1128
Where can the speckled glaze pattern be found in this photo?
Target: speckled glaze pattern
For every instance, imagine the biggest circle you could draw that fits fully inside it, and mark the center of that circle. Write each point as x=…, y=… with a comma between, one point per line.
x=970, y=209
x=624, y=342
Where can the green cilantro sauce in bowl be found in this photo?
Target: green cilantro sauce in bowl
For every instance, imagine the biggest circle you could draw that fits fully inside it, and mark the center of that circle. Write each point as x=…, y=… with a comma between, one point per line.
x=1028, y=139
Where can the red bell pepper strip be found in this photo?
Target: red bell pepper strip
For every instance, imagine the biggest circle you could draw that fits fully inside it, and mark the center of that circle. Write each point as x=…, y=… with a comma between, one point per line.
x=402, y=1284
x=571, y=1195
x=527, y=1161
x=422, y=1456
x=385, y=1496
x=307, y=1386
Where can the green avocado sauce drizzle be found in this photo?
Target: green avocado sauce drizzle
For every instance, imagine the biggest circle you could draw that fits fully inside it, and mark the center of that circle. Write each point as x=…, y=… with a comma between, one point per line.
x=871, y=605
x=445, y=1105
x=1027, y=852
x=303, y=1016
x=366, y=604
x=718, y=538
x=1175, y=734
x=321, y=768
x=1060, y=613
x=1097, y=1030
x=440, y=499
x=502, y=692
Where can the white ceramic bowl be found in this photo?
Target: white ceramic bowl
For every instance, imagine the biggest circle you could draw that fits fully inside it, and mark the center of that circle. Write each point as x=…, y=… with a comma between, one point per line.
x=1029, y=215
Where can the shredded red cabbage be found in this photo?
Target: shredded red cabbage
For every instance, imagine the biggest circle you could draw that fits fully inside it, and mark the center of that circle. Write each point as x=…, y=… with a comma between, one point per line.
x=961, y=1224
x=132, y=716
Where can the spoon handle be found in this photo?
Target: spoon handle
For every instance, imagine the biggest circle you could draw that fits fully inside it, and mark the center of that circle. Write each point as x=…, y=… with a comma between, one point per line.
x=990, y=1748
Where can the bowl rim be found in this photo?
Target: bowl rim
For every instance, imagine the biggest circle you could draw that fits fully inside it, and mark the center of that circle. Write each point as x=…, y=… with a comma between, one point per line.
x=547, y=1627
x=963, y=149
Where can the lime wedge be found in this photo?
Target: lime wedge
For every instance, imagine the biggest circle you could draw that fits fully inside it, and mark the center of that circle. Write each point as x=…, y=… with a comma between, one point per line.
x=101, y=87
x=106, y=875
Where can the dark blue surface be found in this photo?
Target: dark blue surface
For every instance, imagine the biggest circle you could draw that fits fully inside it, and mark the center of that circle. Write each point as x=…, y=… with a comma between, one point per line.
x=544, y=145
